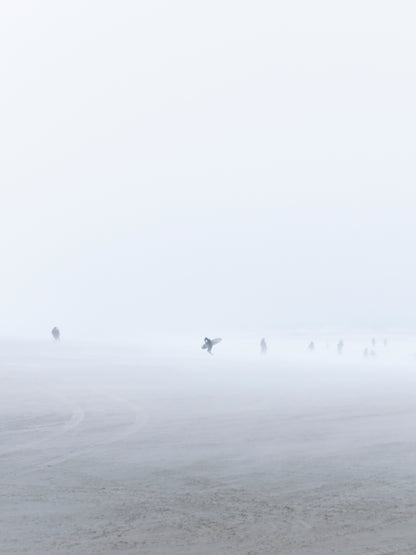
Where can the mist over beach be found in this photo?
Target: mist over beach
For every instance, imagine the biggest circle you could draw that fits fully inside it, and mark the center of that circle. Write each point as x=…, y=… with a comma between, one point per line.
x=138, y=449
x=233, y=176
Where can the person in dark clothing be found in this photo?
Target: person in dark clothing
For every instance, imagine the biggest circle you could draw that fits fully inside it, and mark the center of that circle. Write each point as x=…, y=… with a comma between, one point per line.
x=209, y=343
x=56, y=333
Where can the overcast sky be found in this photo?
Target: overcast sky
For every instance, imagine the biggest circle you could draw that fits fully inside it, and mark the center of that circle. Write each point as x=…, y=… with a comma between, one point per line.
x=206, y=165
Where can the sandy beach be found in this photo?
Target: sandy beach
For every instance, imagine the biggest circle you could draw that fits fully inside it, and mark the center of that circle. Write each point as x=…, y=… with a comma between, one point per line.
x=124, y=451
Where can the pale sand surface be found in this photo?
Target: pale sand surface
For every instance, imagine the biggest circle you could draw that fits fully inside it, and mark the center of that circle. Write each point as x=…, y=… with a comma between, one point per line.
x=121, y=451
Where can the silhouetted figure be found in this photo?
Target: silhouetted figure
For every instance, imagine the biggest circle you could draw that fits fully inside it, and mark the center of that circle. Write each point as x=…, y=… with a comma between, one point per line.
x=373, y=342
x=56, y=333
x=209, y=343
x=263, y=346
x=340, y=346
x=311, y=346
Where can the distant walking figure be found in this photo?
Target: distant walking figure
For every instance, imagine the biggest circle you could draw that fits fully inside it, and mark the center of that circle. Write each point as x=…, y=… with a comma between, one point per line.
x=340, y=346
x=311, y=346
x=373, y=342
x=263, y=346
x=209, y=343
x=56, y=333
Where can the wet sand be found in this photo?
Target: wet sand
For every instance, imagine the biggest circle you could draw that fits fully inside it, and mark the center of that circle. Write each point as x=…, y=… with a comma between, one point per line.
x=121, y=451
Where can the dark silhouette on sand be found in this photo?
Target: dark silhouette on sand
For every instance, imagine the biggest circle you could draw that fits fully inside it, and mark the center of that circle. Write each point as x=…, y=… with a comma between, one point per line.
x=56, y=333
x=209, y=343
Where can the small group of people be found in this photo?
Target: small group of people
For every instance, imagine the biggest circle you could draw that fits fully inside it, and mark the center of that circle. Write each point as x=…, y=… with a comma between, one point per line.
x=209, y=344
x=371, y=352
x=340, y=346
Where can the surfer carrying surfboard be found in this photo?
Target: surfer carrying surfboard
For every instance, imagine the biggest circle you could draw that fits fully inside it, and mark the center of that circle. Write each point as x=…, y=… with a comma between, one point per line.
x=209, y=343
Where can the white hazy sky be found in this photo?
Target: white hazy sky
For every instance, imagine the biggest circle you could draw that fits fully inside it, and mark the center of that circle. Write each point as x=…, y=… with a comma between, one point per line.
x=206, y=165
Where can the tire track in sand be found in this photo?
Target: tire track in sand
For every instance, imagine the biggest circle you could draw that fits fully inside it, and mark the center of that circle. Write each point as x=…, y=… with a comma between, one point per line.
x=77, y=416
x=139, y=421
